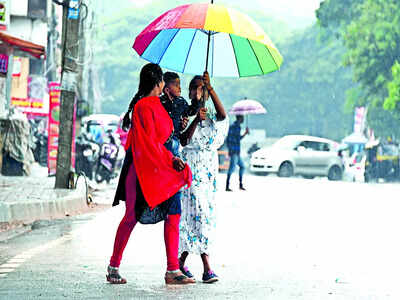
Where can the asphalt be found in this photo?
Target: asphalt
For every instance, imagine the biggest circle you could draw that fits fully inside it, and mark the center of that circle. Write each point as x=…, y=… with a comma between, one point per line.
x=26, y=199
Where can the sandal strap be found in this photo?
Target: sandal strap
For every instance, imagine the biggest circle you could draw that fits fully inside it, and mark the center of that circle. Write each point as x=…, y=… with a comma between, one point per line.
x=180, y=277
x=114, y=276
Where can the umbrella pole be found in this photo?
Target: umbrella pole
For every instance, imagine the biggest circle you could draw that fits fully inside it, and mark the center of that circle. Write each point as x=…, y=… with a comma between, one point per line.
x=208, y=53
x=203, y=102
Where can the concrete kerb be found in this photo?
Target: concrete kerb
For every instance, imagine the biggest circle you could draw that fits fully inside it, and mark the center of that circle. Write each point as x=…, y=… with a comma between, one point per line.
x=63, y=203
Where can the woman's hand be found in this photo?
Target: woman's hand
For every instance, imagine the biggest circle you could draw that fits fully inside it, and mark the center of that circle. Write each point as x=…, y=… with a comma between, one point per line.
x=178, y=164
x=184, y=123
x=202, y=114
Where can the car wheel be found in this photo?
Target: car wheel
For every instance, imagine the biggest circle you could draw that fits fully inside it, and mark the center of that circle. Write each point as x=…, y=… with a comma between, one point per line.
x=285, y=170
x=335, y=173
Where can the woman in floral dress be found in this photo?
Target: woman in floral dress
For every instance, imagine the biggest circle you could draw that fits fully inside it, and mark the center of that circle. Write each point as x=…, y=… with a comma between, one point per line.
x=198, y=202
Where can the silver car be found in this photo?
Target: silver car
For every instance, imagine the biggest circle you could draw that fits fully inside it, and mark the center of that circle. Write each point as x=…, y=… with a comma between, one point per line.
x=304, y=155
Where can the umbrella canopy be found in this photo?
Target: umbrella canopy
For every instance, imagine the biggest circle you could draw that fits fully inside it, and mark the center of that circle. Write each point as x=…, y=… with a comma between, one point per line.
x=247, y=107
x=196, y=37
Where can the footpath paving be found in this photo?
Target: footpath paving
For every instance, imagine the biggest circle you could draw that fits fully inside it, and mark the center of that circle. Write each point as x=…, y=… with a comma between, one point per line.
x=26, y=199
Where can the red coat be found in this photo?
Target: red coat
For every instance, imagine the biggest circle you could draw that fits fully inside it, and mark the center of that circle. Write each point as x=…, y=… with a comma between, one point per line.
x=151, y=127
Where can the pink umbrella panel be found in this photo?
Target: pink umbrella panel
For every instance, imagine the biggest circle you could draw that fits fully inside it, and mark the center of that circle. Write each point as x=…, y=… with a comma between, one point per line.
x=247, y=107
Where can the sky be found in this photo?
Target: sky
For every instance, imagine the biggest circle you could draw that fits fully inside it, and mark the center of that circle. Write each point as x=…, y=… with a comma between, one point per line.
x=294, y=12
x=297, y=13
x=304, y=8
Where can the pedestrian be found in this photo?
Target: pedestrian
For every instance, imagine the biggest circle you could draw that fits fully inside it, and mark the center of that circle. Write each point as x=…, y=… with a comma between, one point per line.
x=198, y=202
x=147, y=161
x=233, y=143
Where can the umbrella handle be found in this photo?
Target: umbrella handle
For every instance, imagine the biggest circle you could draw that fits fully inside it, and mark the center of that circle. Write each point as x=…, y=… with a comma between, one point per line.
x=203, y=102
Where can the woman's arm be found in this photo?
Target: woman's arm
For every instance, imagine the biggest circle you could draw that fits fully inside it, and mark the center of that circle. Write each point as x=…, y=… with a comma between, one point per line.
x=188, y=133
x=219, y=107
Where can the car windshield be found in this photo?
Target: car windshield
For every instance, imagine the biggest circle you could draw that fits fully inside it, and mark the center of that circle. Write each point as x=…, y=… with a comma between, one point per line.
x=286, y=142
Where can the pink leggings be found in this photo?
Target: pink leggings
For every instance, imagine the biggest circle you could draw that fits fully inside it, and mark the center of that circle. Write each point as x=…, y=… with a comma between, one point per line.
x=128, y=222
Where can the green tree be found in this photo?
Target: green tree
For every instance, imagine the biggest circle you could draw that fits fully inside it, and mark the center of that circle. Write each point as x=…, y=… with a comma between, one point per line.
x=306, y=96
x=393, y=99
x=370, y=31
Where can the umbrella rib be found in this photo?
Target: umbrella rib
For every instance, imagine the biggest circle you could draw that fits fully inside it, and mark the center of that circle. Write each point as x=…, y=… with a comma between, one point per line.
x=166, y=48
x=234, y=50
x=190, y=48
x=258, y=61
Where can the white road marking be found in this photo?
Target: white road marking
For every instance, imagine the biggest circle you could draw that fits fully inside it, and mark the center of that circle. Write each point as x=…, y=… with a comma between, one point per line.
x=6, y=270
x=9, y=265
x=14, y=262
x=22, y=257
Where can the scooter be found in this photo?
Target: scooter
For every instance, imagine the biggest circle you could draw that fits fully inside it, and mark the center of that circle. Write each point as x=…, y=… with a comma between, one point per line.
x=38, y=140
x=87, y=154
x=110, y=159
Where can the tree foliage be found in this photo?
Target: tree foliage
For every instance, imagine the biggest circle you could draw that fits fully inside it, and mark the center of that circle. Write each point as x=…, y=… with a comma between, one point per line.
x=393, y=100
x=370, y=31
x=306, y=96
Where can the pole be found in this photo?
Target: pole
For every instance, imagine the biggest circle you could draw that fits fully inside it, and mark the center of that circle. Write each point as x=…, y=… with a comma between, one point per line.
x=203, y=100
x=82, y=81
x=51, y=68
x=70, y=42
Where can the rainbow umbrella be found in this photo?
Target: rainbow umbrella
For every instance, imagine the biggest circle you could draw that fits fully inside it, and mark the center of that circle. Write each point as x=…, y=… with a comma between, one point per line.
x=196, y=37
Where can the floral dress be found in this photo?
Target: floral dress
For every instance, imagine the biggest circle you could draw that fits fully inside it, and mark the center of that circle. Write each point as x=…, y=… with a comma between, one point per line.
x=198, y=202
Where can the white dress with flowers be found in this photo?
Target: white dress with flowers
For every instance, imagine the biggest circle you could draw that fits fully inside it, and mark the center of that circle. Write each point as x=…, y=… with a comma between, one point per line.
x=198, y=202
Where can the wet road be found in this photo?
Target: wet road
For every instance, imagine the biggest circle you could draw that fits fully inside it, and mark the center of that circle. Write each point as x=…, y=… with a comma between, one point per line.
x=281, y=239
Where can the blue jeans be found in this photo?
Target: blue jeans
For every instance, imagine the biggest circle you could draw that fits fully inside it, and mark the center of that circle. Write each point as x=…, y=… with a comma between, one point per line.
x=173, y=146
x=175, y=200
x=236, y=160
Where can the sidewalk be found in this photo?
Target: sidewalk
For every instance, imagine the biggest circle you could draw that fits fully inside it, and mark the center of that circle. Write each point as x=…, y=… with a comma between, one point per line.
x=24, y=200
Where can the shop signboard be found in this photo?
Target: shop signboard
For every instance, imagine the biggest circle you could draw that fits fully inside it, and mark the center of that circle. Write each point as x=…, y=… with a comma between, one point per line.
x=5, y=7
x=54, y=121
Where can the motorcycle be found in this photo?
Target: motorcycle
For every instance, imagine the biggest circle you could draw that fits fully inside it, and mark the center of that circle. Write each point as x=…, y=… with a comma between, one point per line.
x=110, y=159
x=87, y=154
x=38, y=140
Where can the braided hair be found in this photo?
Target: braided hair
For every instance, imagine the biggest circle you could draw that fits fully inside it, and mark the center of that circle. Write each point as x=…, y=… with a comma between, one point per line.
x=150, y=75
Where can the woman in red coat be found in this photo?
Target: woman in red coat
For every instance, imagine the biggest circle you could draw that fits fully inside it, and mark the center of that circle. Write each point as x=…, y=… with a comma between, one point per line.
x=150, y=176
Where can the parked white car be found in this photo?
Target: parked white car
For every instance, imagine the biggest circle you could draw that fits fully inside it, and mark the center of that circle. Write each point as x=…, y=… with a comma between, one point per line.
x=299, y=155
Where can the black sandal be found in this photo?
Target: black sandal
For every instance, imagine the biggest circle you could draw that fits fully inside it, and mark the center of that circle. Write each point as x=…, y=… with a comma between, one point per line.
x=114, y=277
